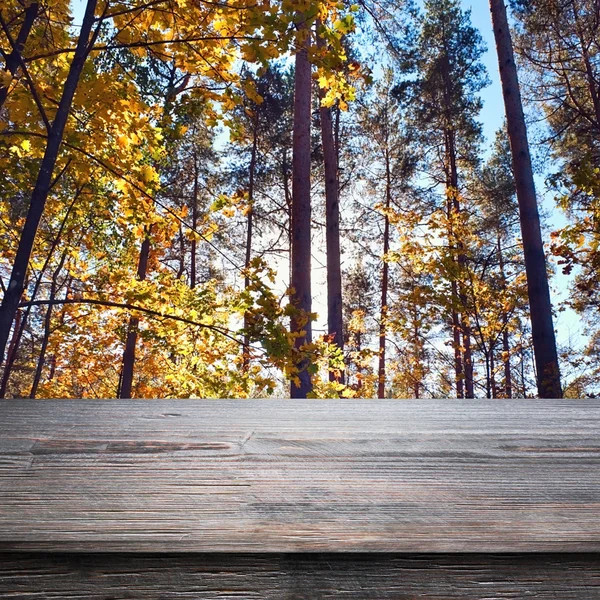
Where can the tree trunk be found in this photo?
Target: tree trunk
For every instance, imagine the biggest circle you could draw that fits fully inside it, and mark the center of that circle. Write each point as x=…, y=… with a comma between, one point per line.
x=47, y=321
x=132, y=329
x=181, y=269
x=462, y=260
x=451, y=186
x=13, y=59
x=384, y=283
x=544, y=342
x=458, y=365
x=418, y=353
x=12, y=351
x=493, y=370
x=194, y=244
x=43, y=184
x=488, y=376
x=505, y=340
x=20, y=326
x=335, y=324
x=301, y=212
x=249, y=231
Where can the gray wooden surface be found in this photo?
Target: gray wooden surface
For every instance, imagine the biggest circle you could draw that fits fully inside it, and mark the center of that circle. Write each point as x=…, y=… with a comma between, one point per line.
x=293, y=476
x=300, y=577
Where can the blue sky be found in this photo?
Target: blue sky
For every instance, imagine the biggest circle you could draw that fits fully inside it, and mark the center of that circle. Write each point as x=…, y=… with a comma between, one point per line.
x=493, y=106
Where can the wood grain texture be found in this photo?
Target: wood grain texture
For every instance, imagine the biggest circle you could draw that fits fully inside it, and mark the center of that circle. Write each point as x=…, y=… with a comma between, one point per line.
x=299, y=577
x=301, y=476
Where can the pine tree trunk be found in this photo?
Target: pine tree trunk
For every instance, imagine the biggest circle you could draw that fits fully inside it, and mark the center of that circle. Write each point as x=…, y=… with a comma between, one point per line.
x=41, y=190
x=451, y=190
x=301, y=212
x=132, y=329
x=335, y=325
x=540, y=306
x=488, y=377
x=462, y=260
x=493, y=372
x=194, y=244
x=384, y=283
x=505, y=340
x=249, y=232
x=418, y=353
x=458, y=365
x=13, y=59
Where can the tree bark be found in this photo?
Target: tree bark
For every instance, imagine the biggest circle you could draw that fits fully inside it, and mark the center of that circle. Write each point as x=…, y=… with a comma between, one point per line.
x=249, y=232
x=462, y=259
x=194, y=244
x=132, y=329
x=505, y=340
x=451, y=186
x=384, y=283
x=43, y=184
x=13, y=347
x=540, y=306
x=301, y=212
x=335, y=324
x=47, y=321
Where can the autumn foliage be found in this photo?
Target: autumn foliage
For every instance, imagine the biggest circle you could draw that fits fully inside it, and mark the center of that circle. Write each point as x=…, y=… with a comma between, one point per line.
x=161, y=197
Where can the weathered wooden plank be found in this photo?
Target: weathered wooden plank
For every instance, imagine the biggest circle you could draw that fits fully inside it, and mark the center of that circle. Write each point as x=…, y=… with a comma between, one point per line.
x=299, y=577
x=314, y=476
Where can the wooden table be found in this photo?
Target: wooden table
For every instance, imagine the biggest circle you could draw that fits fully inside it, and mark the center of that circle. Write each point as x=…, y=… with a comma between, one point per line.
x=296, y=499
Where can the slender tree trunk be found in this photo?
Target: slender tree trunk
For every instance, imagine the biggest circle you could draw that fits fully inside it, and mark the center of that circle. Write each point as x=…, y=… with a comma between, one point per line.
x=458, y=364
x=493, y=372
x=540, y=305
x=462, y=260
x=488, y=377
x=11, y=354
x=13, y=59
x=43, y=184
x=287, y=194
x=418, y=353
x=335, y=324
x=384, y=283
x=505, y=340
x=132, y=329
x=249, y=232
x=451, y=182
x=359, y=378
x=47, y=322
x=194, y=244
x=20, y=328
x=506, y=361
x=126, y=378
x=181, y=253
x=301, y=212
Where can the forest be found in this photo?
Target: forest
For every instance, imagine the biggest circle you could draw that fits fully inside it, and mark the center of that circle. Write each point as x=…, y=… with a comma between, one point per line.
x=296, y=198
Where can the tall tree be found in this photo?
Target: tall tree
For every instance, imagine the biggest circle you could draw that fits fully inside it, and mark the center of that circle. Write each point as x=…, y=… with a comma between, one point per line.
x=332, y=219
x=540, y=306
x=444, y=75
x=389, y=142
x=301, y=297
x=39, y=196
